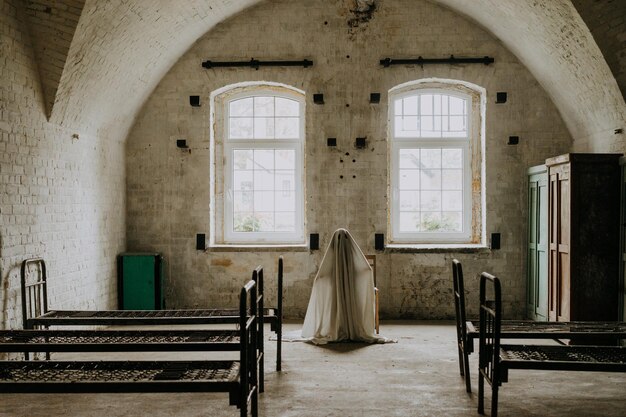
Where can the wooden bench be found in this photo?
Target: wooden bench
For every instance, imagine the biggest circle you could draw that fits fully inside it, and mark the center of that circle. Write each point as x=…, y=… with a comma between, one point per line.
x=37, y=314
x=468, y=330
x=237, y=377
x=495, y=359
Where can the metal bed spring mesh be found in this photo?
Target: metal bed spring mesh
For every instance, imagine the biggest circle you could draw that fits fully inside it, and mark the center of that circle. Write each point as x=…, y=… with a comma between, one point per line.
x=95, y=337
x=514, y=326
x=218, y=371
x=592, y=354
x=147, y=313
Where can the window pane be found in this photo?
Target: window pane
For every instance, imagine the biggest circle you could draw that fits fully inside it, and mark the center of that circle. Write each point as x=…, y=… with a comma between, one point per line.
x=240, y=108
x=452, y=158
x=245, y=222
x=409, y=158
x=457, y=106
x=430, y=222
x=409, y=222
x=264, y=128
x=287, y=128
x=285, y=222
x=285, y=180
x=263, y=201
x=242, y=159
x=266, y=221
x=430, y=200
x=263, y=106
x=441, y=104
x=285, y=201
x=242, y=180
x=285, y=159
x=410, y=106
x=243, y=201
x=397, y=107
x=409, y=179
x=264, y=159
x=240, y=128
x=427, y=123
x=265, y=192
x=451, y=200
x=452, y=179
x=431, y=158
x=287, y=107
x=263, y=180
x=426, y=104
x=409, y=124
x=451, y=221
x=409, y=200
x=430, y=179
x=457, y=123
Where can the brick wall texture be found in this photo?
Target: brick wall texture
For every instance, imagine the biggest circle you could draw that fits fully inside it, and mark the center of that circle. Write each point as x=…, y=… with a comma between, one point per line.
x=168, y=188
x=607, y=22
x=61, y=198
x=76, y=188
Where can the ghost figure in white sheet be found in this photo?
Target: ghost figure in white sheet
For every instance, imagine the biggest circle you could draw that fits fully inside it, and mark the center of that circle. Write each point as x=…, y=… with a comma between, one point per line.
x=341, y=306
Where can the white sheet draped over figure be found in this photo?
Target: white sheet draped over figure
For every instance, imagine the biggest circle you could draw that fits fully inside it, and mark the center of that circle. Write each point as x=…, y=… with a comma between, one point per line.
x=341, y=306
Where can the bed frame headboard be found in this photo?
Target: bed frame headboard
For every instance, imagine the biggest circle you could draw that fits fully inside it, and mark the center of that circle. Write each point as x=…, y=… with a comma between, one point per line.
x=34, y=294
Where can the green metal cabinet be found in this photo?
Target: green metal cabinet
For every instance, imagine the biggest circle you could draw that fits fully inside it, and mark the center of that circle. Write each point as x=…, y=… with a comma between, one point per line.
x=537, y=261
x=622, y=264
x=140, y=281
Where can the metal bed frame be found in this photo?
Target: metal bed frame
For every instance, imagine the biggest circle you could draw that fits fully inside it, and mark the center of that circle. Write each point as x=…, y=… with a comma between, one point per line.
x=469, y=330
x=495, y=360
x=238, y=378
x=36, y=313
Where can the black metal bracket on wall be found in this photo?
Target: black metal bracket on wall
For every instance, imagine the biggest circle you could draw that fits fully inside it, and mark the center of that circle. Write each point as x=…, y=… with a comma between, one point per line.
x=253, y=63
x=387, y=62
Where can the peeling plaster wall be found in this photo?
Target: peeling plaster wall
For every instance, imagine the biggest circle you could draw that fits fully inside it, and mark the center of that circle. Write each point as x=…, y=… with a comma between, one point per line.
x=61, y=196
x=168, y=188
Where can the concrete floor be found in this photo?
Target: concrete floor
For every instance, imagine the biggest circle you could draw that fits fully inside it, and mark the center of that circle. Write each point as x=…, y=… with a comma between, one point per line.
x=418, y=376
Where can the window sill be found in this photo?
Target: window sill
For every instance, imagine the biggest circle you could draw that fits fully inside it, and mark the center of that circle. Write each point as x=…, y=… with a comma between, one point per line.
x=258, y=248
x=437, y=248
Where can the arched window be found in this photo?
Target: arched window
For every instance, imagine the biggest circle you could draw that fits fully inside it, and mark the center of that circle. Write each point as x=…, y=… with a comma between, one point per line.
x=435, y=158
x=259, y=137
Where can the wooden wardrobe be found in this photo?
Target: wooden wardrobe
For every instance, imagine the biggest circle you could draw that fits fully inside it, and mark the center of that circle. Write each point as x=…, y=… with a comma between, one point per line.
x=583, y=242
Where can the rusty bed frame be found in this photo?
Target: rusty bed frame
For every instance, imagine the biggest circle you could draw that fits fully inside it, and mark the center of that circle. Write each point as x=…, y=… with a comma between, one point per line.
x=469, y=330
x=495, y=360
x=37, y=314
x=237, y=377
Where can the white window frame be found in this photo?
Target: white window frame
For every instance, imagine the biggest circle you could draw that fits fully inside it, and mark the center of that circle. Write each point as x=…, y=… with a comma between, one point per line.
x=222, y=220
x=471, y=218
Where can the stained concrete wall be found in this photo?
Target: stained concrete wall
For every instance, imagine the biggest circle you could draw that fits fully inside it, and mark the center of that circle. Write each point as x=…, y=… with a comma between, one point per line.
x=168, y=188
x=61, y=191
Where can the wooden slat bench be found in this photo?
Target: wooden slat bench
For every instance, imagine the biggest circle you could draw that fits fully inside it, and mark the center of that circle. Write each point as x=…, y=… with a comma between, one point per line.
x=468, y=330
x=495, y=360
x=239, y=378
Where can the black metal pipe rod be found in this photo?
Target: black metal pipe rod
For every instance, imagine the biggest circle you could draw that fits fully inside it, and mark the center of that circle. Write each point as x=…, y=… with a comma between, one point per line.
x=451, y=60
x=253, y=63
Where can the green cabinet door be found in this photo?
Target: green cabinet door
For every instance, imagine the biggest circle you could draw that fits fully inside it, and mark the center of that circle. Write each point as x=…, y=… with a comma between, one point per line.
x=140, y=281
x=622, y=271
x=537, y=257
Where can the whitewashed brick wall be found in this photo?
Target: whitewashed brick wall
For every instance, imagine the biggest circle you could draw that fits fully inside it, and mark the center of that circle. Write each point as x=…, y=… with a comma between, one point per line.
x=61, y=198
x=168, y=188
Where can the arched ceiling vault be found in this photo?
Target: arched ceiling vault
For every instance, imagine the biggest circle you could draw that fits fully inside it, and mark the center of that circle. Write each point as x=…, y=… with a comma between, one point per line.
x=122, y=48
